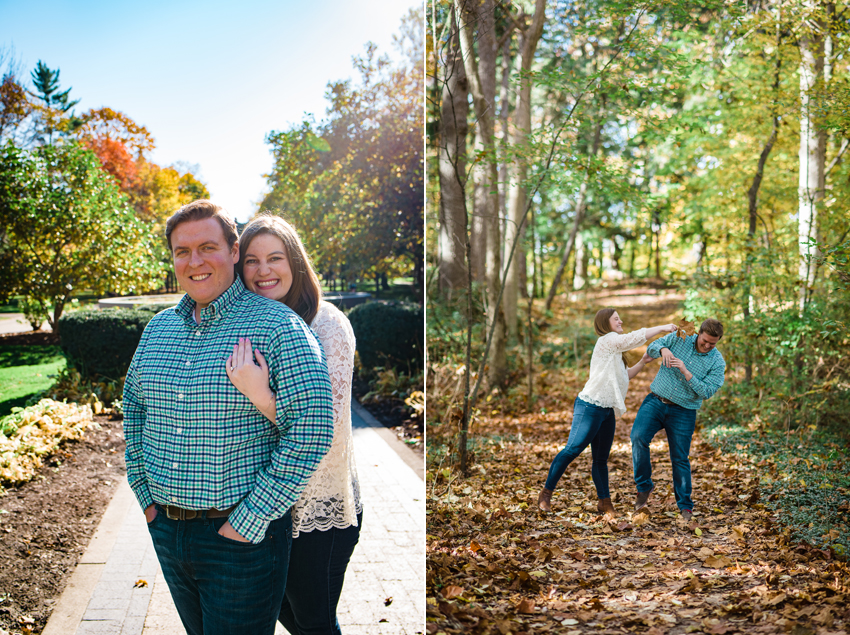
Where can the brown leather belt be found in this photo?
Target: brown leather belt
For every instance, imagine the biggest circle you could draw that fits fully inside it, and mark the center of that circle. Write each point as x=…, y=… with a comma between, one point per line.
x=663, y=400
x=178, y=513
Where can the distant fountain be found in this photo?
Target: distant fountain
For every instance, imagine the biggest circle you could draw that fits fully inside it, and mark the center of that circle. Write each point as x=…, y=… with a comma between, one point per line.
x=138, y=301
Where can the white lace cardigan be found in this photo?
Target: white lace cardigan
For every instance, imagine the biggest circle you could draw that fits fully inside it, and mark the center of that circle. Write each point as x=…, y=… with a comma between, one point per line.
x=332, y=496
x=609, y=379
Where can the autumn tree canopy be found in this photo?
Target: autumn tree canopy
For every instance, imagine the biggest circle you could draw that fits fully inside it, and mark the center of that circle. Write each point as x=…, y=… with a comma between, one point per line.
x=84, y=208
x=67, y=226
x=353, y=183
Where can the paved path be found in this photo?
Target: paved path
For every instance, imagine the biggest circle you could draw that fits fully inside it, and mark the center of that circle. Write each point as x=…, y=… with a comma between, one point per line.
x=388, y=562
x=17, y=323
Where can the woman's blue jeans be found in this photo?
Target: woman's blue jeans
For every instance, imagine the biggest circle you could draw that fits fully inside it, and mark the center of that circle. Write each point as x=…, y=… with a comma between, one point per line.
x=679, y=423
x=593, y=426
x=317, y=564
x=222, y=586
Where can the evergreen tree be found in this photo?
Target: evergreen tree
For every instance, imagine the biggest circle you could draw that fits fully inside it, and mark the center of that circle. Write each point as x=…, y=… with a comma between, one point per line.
x=57, y=103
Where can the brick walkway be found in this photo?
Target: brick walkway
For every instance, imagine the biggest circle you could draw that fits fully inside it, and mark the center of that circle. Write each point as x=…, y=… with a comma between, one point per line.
x=388, y=562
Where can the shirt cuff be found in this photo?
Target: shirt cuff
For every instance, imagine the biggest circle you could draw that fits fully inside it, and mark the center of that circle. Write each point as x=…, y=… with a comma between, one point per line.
x=143, y=494
x=248, y=525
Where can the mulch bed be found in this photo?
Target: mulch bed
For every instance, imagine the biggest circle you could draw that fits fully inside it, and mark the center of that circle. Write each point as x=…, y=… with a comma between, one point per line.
x=47, y=523
x=33, y=338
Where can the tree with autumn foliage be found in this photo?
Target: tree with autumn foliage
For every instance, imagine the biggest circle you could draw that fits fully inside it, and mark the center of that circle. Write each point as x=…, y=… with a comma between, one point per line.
x=103, y=234
x=353, y=184
x=66, y=227
x=121, y=144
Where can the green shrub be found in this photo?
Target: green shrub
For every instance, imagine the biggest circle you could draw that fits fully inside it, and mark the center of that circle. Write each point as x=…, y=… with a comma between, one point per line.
x=101, y=344
x=388, y=334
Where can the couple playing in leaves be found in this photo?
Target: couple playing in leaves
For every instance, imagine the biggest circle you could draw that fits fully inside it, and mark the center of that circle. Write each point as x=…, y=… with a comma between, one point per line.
x=691, y=370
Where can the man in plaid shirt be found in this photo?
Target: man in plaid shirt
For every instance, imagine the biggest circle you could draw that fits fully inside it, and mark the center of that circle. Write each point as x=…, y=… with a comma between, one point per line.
x=213, y=475
x=692, y=370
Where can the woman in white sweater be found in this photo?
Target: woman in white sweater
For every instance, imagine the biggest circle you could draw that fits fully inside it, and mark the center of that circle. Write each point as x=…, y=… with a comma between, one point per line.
x=599, y=403
x=326, y=518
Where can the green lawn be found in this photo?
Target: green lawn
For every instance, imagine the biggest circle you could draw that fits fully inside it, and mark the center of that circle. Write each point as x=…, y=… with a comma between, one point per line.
x=26, y=371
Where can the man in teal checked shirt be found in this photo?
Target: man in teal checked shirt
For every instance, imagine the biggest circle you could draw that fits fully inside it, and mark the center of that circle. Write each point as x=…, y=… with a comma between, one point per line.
x=213, y=475
x=692, y=370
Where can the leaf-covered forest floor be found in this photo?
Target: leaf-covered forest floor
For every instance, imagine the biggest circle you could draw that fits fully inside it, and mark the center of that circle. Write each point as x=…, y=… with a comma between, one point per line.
x=496, y=565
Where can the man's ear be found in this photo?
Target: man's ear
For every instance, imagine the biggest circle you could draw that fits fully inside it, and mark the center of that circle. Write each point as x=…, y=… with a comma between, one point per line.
x=235, y=252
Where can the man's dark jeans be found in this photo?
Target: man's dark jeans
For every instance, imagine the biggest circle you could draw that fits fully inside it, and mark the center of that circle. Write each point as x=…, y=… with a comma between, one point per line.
x=593, y=426
x=316, y=572
x=679, y=423
x=221, y=586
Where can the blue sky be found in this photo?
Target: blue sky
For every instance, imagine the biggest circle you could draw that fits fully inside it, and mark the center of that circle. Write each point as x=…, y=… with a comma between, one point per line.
x=208, y=79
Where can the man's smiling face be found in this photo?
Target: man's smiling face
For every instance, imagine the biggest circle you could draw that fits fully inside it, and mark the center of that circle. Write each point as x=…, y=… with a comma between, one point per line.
x=705, y=342
x=202, y=260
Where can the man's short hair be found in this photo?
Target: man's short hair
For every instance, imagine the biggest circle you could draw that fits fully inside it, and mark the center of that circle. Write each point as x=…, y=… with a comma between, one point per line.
x=712, y=327
x=199, y=210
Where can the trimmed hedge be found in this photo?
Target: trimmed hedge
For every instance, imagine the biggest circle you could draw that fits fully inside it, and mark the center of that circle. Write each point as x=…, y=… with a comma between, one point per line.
x=389, y=334
x=101, y=344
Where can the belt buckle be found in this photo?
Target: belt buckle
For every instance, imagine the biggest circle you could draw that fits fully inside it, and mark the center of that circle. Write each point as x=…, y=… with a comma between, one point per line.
x=181, y=514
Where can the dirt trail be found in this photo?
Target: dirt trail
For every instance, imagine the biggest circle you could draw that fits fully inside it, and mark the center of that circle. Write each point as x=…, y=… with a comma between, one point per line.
x=496, y=565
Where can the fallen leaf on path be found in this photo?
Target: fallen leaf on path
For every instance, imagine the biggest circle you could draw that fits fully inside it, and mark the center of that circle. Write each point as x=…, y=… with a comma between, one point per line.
x=525, y=606
x=641, y=517
x=452, y=591
x=717, y=562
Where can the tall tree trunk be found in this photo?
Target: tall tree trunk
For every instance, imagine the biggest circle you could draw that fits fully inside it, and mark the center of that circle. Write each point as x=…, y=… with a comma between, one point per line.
x=581, y=204
x=504, y=119
x=454, y=112
x=752, y=198
x=656, y=231
x=478, y=234
x=517, y=196
x=477, y=17
x=582, y=260
x=812, y=152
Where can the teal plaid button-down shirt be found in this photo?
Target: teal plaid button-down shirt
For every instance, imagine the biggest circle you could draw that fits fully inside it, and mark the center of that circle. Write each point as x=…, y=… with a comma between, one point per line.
x=196, y=442
x=707, y=368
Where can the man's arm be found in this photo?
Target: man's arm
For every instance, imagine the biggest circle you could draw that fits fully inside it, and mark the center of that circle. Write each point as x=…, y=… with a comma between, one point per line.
x=654, y=349
x=135, y=413
x=711, y=383
x=304, y=417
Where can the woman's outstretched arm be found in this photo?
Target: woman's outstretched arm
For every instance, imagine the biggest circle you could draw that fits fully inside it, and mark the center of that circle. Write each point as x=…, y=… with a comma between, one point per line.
x=652, y=331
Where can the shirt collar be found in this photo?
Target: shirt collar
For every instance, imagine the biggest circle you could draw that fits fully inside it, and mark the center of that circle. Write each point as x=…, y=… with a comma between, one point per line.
x=186, y=307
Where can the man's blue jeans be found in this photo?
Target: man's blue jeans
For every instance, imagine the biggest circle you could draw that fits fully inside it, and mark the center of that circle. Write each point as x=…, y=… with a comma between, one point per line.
x=679, y=423
x=317, y=566
x=221, y=586
x=593, y=426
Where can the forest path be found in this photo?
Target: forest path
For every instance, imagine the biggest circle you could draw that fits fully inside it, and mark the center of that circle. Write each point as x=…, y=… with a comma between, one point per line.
x=496, y=565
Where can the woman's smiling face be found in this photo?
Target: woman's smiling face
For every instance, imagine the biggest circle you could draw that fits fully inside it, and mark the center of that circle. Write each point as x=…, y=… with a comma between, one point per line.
x=616, y=323
x=266, y=267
